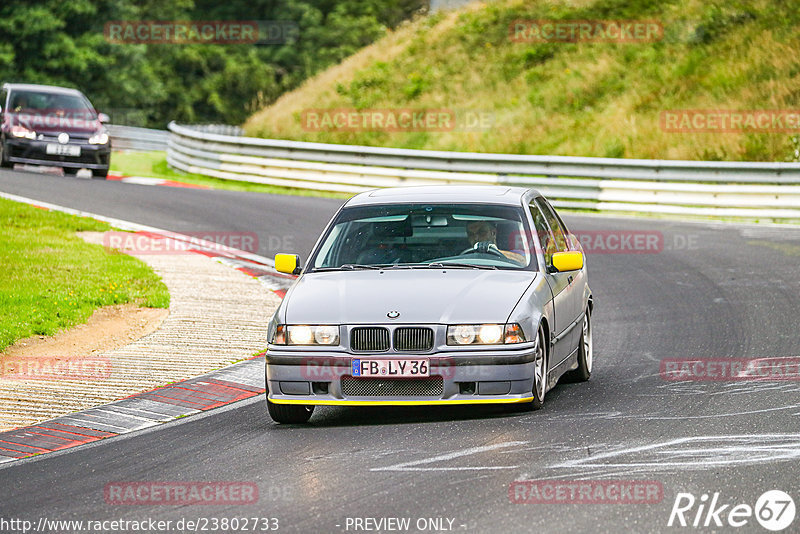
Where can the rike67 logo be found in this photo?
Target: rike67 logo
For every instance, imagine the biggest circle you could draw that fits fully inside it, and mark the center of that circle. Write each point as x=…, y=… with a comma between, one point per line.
x=774, y=510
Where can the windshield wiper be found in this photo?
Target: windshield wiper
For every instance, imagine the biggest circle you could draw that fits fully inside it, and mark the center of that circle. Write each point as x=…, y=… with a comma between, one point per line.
x=382, y=266
x=346, y=267
x=355, y=266
x=465, y=265
x=446, y=265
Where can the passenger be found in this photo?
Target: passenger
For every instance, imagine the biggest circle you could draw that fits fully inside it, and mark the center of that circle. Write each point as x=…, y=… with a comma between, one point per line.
x=20, y=103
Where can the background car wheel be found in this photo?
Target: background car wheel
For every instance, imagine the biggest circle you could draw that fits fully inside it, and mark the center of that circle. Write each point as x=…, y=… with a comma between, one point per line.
x=585, y=352
x=100, y=174
x=3, y=163
x=289, y=413
x=539, y=375
x=70, y=172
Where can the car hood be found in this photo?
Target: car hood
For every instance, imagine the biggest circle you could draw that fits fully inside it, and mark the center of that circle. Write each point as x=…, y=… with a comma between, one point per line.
x=445, y=296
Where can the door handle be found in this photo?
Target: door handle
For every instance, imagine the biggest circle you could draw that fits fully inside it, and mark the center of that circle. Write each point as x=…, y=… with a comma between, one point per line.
x=570, y=279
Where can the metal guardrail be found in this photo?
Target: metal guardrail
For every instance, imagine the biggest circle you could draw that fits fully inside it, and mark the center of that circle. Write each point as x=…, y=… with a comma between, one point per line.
x=148, y=140
x=134, y=138
x=221, y=129
x=723, y=189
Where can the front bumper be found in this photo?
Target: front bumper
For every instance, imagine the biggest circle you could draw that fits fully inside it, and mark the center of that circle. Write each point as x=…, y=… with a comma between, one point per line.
x=34, y=152
x=463, y=377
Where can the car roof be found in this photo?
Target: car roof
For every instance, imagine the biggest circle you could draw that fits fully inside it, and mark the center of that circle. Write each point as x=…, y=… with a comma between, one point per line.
x=437, y=194
x=43, y=88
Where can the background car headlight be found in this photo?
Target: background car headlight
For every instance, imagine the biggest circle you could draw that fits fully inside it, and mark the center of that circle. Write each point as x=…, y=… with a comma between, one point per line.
x=306, y=335
x=484, y=334
x=21, y=131
x=99, y=139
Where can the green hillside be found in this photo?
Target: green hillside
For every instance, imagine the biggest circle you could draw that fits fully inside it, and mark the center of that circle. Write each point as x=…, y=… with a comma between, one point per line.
x=568, y=98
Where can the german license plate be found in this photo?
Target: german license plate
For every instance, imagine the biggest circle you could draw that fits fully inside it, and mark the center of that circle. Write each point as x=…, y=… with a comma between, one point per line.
x=63, y=150
x=366, y=368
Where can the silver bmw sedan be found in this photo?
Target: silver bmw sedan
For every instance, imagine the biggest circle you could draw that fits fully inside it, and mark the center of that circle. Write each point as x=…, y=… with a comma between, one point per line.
x=432, y=295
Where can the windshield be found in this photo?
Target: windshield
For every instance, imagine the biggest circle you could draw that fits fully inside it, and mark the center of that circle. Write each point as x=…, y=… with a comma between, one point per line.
x=43, y=102
x=37, y=110
x=424, y=235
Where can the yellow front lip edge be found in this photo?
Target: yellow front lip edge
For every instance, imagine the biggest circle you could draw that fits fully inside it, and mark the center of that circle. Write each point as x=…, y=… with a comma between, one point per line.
x=398, y=402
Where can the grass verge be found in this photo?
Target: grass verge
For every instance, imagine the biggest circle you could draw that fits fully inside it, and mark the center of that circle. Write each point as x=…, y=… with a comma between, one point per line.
x=566, y=98
x=50, y=279
x=154, y=165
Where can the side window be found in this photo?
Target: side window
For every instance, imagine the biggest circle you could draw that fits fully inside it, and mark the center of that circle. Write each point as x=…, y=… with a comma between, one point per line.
x=573, y=243
x=559, y=232
x=3, y=98
x=546, y=239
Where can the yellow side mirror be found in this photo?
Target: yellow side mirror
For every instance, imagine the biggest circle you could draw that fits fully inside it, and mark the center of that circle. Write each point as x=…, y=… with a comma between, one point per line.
x=287, y=263
x=568, y=261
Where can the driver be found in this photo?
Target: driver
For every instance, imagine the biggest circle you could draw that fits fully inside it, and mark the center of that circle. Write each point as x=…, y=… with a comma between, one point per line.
x=485, y=231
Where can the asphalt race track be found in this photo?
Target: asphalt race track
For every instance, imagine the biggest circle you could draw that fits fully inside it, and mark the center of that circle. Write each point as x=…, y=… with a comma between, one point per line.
x=279, y=221
x=709, y=291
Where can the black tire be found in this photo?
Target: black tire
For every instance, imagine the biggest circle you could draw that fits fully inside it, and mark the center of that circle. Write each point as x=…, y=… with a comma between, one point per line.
x=70, y=171
x=539, y=375
x=3, y=163
x=100, y=174
x=289, y=413
x=585, y=352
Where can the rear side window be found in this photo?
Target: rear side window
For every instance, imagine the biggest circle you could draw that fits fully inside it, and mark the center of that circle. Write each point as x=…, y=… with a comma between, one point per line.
x=559, y=232
x=546, y=239
x=3, y=98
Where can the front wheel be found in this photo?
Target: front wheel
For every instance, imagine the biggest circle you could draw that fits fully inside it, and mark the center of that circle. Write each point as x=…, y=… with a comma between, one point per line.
x=585, y=352
x=100, y=174
x=4, y=163
x=289, y=413
x=539, y=374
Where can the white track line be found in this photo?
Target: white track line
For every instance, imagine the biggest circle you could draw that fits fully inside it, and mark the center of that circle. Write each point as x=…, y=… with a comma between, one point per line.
x=411, y=466
x=136, y=227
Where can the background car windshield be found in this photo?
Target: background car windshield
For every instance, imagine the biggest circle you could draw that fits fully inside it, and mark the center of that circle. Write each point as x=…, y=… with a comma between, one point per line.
x=43, y=102
x=472, y=234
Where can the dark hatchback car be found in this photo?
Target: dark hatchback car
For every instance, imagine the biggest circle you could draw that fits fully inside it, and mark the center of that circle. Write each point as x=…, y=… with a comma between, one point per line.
x=53, y=126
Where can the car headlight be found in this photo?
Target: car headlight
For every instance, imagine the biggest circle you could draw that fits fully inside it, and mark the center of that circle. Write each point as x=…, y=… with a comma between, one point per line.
x=100, y=138
x=484, y=334
x=306, y=335
x=21, y=131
